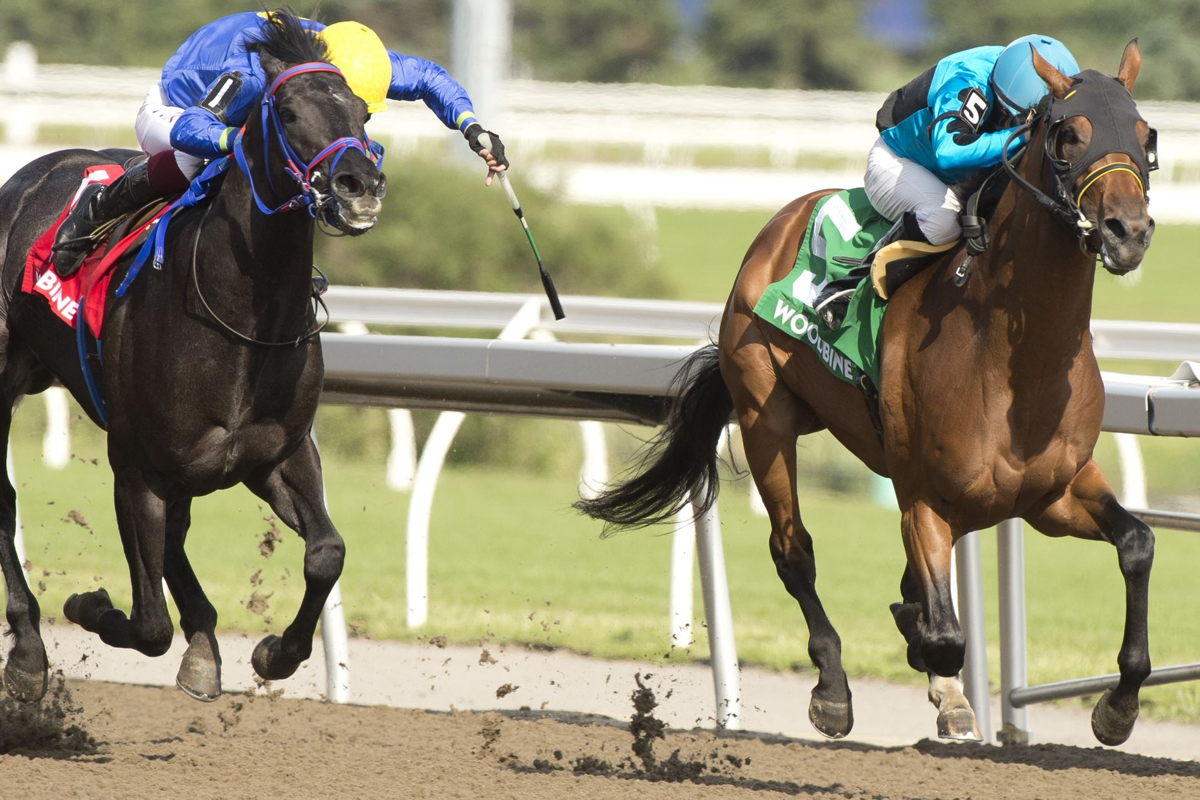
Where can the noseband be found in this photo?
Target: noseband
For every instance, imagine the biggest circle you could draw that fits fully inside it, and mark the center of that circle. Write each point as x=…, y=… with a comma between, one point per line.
x=297, y=168
x=1097, y=98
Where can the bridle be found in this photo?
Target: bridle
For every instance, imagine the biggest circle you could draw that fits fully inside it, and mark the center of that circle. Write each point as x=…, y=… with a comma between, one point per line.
x=308, y=197
x=297, y=168
x=1094, y=96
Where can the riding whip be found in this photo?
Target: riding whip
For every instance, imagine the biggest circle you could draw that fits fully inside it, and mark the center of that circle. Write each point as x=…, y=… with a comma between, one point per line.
x=547, y=284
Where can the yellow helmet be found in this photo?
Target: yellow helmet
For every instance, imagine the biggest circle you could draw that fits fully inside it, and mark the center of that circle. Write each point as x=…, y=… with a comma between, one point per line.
x=357, y=51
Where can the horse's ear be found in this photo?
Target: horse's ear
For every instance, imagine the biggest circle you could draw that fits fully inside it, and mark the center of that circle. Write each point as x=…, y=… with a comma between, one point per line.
x=1131, y=65
x=1059, y=84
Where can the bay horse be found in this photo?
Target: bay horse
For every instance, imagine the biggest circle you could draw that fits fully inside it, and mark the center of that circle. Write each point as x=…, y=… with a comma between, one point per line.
x=211, y=366
x=989, y=404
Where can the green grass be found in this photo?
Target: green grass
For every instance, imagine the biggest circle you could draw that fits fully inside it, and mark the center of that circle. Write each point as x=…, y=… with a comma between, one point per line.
x=510, y=561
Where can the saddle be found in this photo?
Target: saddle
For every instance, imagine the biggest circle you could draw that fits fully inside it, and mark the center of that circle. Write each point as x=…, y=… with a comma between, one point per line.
x=87, y=288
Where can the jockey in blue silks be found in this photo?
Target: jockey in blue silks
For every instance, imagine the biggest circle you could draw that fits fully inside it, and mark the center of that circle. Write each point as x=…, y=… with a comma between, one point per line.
x=937, y=131
x=213, y=82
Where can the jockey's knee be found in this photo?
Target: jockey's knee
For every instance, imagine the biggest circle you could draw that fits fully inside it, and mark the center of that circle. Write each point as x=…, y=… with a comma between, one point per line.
x=940, y=226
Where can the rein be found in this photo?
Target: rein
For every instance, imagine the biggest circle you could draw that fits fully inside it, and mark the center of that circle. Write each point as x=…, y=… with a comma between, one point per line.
x=316, y=328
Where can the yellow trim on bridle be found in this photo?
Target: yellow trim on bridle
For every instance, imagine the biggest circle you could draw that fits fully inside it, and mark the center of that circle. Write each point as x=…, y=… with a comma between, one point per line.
x=1100, y=172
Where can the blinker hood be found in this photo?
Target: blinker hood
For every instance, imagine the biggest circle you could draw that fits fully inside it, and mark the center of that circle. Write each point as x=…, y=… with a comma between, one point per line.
x=1109, y=107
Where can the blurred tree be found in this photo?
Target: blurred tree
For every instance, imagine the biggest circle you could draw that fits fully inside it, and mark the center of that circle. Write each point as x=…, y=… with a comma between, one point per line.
x=819, y=44
x=599, y=40
x=145, y=32
x=420, y=27
x=1096, y=31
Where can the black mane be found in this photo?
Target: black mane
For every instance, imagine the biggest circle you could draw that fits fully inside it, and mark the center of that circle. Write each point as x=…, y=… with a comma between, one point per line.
x=286, y=39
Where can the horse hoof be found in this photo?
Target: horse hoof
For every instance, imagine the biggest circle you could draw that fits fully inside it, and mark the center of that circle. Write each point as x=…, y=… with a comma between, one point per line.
x=85, y=608
x=831, y=719
x=959, y=725
x=199, y=674
x=269, y=663
x=28, y=686
x=1112, y=723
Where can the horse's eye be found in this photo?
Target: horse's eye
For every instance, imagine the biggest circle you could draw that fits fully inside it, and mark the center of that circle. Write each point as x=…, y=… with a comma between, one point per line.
x=1069, y=136
x=287, y=116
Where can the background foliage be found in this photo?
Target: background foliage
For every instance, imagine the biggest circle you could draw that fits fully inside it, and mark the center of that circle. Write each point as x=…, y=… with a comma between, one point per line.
x=442, y=229
x=819, y=44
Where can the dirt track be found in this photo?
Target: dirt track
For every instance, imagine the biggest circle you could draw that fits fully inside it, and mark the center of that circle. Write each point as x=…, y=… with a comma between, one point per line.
x=152, y=742
x=116, y=733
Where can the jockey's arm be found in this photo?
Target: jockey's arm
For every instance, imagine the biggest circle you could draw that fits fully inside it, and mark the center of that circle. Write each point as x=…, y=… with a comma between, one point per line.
x=416, y=78
x=960, y=110
x=208, y=128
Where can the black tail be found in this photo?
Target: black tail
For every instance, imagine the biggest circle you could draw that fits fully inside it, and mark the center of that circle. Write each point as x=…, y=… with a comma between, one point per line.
x=681, y=460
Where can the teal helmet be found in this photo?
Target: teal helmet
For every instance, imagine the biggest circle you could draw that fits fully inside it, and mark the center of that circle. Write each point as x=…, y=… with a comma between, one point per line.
x=1016, y=82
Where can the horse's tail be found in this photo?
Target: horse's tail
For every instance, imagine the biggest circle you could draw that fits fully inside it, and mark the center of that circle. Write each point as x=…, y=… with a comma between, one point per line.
x=681, y=460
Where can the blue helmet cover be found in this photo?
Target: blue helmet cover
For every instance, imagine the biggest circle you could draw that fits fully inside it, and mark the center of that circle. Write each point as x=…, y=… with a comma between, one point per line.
x=1014, y=79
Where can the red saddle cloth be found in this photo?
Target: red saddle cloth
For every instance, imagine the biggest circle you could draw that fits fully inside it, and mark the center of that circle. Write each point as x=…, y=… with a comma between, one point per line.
x=90, y=284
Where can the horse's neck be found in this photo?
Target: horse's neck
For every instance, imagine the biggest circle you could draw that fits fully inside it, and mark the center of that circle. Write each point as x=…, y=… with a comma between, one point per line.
x=271, y=268
x=279, y=245
x=1037, y=270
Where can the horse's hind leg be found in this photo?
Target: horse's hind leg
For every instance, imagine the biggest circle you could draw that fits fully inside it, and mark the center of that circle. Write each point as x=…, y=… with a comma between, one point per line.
x=141, y=520
x=1089, y=510
x=770, y=420
x=294, y=491
x=26, y=668
x=200, y=669
x=956, y=719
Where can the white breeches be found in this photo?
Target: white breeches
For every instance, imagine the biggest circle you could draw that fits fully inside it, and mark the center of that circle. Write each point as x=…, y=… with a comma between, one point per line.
x=895, y=184
x=153, y=128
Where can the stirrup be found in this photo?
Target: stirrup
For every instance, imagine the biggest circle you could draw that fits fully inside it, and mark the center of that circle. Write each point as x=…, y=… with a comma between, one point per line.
x=832, y=309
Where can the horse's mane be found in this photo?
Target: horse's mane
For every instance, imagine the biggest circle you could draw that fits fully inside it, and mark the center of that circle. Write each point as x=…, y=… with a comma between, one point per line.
x=286, y=39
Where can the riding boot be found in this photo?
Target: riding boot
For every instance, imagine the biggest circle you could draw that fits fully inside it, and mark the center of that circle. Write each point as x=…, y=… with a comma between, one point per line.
x=98, y=204
x=897, y=256
x=834, y=298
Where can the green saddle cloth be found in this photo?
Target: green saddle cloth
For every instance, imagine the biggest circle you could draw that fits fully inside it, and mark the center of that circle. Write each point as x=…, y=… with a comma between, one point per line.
x=844, y=225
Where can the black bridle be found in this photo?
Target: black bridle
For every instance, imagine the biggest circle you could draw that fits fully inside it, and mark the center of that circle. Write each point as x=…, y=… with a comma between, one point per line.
x=1098, y=98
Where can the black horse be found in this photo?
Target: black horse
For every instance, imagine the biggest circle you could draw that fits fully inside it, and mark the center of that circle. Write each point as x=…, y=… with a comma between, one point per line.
x=211, y=366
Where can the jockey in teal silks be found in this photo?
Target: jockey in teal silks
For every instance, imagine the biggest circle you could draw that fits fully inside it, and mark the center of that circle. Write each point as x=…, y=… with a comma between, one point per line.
x=215, y=80
x=935, y=132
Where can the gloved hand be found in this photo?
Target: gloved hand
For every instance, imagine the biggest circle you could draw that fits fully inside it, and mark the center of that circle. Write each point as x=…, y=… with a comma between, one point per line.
x=482, y=141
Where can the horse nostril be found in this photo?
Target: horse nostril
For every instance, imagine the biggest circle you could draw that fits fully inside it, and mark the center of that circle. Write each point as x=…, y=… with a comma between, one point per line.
x=381, y=186
x=349, y=186
x=1116, y=228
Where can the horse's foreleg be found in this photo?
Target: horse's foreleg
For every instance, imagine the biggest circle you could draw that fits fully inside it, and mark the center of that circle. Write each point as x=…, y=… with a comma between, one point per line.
x=141, y=519
x=769, y=439
x=928, y=543
x=26, y=667
x=200, y=669
x=956, y=718
x=294, y=491
x=1089, y=510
